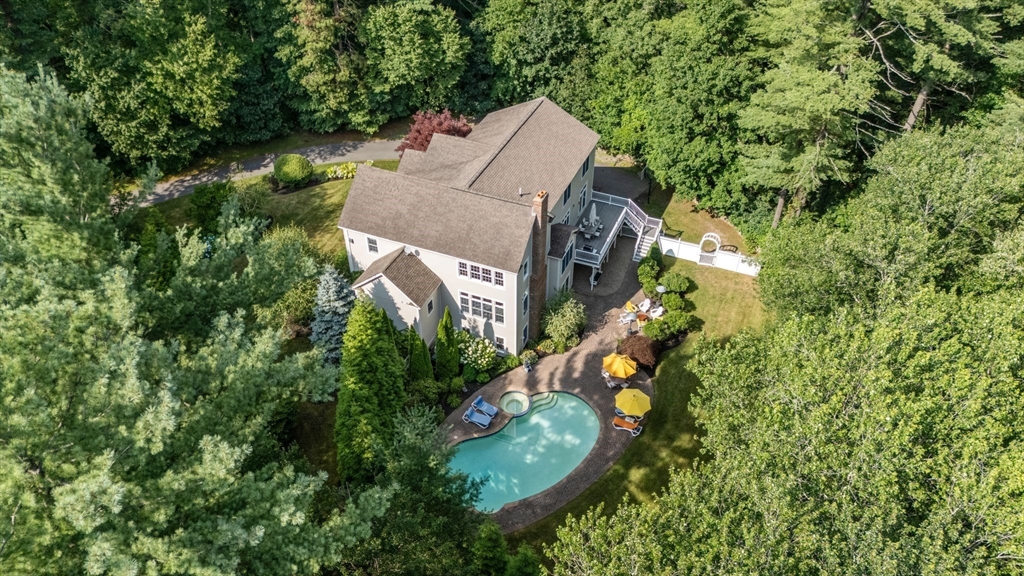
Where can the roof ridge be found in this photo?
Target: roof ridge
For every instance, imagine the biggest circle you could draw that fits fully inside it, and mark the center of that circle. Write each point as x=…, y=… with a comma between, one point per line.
x=508, y=138
x=440, y=185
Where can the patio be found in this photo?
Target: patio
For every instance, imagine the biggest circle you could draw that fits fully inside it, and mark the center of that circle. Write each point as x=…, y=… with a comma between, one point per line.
x=578, y=372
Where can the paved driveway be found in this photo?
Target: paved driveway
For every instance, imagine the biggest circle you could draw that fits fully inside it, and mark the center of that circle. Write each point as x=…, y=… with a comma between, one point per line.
x=577, y=371
x=323, y=154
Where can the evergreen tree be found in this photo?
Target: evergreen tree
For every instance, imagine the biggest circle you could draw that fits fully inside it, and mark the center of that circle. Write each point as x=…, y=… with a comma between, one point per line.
x=419, y=360
x=446, y=349
x=526, y=562
x=490, y=552
x=431, y=526
x=371, y=393
x=334, y=301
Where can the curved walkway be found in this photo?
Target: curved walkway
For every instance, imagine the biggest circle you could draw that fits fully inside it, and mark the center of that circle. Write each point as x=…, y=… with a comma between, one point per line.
x=579, y=372
x=264, y=164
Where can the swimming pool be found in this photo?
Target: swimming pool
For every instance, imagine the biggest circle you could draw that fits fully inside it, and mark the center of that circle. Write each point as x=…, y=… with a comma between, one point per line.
x=531, y=453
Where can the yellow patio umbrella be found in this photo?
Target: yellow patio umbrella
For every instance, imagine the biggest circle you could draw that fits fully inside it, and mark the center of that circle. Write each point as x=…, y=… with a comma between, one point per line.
x=633, y=402
x=619, y=366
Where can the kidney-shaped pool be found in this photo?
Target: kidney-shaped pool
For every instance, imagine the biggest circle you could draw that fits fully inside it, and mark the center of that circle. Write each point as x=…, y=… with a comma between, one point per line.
x=532, y=452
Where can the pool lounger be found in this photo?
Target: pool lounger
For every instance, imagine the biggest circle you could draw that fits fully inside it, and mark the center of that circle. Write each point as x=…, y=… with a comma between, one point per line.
x=623, y=424
x=622, y=414
x=473, y=417
x=482, y=406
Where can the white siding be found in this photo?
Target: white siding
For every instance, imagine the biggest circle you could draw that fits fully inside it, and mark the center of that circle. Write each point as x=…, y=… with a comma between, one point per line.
x=446, y=268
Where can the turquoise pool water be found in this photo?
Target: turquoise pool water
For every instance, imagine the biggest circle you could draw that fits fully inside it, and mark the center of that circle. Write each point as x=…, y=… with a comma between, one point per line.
x=532, y=452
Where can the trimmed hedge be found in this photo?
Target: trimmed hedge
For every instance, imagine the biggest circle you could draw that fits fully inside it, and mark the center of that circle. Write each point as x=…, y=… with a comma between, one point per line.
x=292, y=170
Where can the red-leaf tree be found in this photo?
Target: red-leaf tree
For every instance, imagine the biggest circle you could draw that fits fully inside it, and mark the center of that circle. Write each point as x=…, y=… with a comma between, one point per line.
x=426, y=124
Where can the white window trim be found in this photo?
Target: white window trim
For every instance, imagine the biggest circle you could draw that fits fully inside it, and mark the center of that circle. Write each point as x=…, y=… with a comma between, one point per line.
x=375, y=248
x=482, y=301
x=480, y=271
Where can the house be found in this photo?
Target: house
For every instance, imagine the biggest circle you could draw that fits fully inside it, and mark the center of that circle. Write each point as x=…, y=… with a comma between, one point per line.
x=487, y=225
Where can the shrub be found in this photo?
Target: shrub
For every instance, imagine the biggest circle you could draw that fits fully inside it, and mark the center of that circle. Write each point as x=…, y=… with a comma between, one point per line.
x=295, y=307
x=483, y=378
x=253, y=196
x=344, y=171
x=469, y=374
x=564, y=319
x=509, y=362
x=675, y=282
x=529, y=357
x=672, y=323
x=455, y=385
x=292, y=170
x=672, y=301
x=547, y=346
x=454, y=400
x=640, y=348
x=204, y=205
x=424, y=391
x=426, y=124
x=647, y=273
x=480, y=354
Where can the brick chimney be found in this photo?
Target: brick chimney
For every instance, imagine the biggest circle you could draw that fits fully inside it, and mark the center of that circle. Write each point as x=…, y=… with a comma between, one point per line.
x=539, y=262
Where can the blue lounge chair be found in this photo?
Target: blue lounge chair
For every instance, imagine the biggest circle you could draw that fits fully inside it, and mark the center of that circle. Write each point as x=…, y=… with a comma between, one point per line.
x=473, y=417
x=482, y=406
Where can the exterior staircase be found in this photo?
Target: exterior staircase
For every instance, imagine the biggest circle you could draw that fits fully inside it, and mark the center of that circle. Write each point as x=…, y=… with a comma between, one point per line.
x=644, y=243
x=647, y=229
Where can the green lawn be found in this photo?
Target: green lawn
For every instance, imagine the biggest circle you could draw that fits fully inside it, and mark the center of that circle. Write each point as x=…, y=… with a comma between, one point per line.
x=684, y=220
x=315, y=209
x=727, y=303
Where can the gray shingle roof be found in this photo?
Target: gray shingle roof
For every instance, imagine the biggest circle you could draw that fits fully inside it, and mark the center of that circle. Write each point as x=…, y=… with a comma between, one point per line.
x=449, y=160
x=561, y=235
x=435, y=217
x=542, y=152
x=407, y=272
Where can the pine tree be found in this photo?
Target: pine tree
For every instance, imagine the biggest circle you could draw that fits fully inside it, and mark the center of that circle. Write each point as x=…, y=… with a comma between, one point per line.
x=372, y=391
x=490, y=552
x=334, y=300
x=447, y=348
x=419, y=360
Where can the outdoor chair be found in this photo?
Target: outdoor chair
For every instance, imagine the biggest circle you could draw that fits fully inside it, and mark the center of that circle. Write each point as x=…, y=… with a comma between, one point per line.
x=645, y=305
x=627, y=417
x=630, y=307
x=473, y=417
x=657, y=312
x=623, y=424
x=482, y=406
x=623, y=320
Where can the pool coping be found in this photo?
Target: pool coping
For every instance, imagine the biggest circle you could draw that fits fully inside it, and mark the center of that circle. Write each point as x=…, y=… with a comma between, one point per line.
x=577, y=372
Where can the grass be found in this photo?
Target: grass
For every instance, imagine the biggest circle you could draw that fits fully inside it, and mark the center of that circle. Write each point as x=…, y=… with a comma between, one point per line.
x=684, y=220
x=315, y=209
x=727, y=303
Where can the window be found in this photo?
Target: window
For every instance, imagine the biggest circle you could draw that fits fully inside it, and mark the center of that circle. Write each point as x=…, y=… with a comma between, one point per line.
x=430, y=306
x=481, y=274
x=526, y=303
x=567, y=257
x=583, y=196
x=526, y=333
x=586, y=166
x=565, y=219
x=567, y=194
x=526, y=269
x=371, y=245
x=499, y=343
x=484, y=308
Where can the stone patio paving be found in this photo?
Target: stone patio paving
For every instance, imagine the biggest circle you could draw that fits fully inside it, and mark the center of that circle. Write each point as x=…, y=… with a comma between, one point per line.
x=578, y=371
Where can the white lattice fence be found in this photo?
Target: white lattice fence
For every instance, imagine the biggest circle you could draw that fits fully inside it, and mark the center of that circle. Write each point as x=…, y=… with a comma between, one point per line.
x=733, y=262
